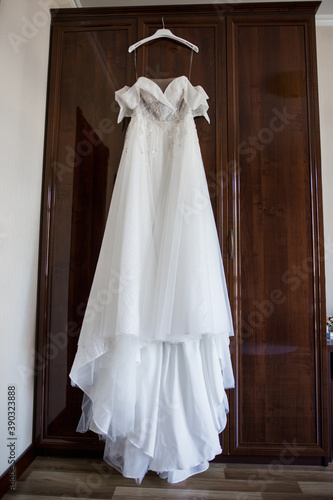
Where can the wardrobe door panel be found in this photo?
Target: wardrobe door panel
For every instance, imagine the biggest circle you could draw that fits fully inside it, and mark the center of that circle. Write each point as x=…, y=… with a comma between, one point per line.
x=276, y=293
x=83, y=148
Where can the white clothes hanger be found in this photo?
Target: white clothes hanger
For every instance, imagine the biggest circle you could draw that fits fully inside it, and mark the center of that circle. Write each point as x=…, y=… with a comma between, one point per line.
x=163, y=33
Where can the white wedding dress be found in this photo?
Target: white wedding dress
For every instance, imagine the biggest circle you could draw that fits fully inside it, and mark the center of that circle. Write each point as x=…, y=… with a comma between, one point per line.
x=153, y=354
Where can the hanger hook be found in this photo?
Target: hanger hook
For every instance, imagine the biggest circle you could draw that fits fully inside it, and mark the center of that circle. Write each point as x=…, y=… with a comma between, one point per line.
x=163, y=22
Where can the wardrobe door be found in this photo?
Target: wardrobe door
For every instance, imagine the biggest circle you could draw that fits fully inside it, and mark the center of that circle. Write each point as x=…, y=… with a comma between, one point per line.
x=83, y=148
x=276, y=276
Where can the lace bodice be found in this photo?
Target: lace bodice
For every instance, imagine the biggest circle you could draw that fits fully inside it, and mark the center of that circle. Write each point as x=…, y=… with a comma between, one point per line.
x=146, y=97
x=154, y=109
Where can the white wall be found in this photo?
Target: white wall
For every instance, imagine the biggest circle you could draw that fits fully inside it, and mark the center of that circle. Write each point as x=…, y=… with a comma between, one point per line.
x=325, y=77
x=24, y=42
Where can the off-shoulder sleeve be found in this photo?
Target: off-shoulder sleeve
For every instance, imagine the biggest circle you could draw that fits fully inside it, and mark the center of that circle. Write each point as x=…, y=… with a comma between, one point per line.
x=127, y=98
x=196, y=99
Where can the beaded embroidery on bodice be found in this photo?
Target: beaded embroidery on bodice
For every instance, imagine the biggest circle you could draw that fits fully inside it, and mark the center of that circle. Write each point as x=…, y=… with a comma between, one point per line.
x=153, y=108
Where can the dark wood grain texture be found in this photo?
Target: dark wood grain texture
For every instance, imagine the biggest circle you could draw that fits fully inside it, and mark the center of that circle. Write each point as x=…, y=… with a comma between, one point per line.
x=275, y=284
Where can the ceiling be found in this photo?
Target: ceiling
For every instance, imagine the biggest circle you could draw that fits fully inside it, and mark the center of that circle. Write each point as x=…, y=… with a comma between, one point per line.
x=324, y=11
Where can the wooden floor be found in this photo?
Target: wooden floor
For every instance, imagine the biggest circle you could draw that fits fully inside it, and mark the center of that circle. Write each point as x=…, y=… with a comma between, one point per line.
x=50, y=478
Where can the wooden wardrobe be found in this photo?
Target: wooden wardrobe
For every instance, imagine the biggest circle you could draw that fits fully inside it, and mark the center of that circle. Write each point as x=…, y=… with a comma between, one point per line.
x=261, y=153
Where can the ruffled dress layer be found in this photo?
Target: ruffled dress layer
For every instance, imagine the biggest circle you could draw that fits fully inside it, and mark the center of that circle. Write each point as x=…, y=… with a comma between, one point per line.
x=153, y=353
